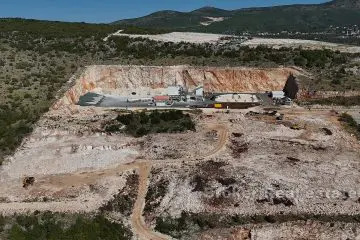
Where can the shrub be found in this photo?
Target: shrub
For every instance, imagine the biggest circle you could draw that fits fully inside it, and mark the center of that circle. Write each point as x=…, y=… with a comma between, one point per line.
x=347, y=118
x=155, y=194
x=338, y=100
x=141, y=124
x=124, y=201
x=350, y=124
x=52, y=226
x=112, y=128
x=23, y=65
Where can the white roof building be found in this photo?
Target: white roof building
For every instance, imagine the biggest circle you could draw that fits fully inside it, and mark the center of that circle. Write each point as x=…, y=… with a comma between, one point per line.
x=237, y=98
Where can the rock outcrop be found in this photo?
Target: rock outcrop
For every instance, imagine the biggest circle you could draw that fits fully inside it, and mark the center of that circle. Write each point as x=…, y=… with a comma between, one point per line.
x=149, y=80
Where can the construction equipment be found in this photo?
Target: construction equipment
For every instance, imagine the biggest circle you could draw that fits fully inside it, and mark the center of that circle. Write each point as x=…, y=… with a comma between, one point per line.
x=218, y=105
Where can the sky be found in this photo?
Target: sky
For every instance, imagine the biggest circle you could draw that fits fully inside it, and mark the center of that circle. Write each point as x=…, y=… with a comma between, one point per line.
x=105, y=11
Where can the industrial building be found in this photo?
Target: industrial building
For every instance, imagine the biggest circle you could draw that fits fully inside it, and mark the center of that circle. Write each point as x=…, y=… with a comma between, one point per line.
x=162, y=101
x=176, y=92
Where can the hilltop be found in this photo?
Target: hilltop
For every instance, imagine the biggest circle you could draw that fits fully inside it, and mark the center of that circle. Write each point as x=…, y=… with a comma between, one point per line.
x=345, y=3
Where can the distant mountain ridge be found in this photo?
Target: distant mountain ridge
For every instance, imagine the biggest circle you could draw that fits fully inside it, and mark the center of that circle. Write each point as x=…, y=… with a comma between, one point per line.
x=306, y=18
x=345, y=3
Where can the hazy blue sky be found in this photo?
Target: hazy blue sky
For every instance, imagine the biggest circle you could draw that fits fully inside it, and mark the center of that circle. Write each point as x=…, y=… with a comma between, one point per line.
x=111, y=10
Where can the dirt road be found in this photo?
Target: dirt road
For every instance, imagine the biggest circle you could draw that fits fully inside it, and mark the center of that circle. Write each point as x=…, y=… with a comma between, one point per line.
x=223, y=134
x=137, y=220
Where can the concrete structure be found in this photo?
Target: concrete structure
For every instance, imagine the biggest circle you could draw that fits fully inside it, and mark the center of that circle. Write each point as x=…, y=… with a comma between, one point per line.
x=236, y=101
x=237, y=98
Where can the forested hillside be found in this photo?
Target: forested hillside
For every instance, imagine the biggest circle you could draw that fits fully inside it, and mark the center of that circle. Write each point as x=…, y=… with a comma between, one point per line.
x=292, y=18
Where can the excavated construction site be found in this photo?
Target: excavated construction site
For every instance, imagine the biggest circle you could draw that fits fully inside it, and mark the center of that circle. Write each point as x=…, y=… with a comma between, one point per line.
x=258, y=177
x=145, y=81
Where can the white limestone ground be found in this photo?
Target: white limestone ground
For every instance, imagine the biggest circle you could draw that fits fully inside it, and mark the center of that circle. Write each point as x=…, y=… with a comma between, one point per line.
x=177, y=37
x=57, y=154
x=212, y=20
x=74, y=199
x=292, y=43
x=199, y=38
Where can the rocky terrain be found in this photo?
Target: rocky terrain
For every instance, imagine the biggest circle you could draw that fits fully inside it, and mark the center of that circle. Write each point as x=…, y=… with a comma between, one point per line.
x=305, y=44
x=245, y=172
x=241, y=174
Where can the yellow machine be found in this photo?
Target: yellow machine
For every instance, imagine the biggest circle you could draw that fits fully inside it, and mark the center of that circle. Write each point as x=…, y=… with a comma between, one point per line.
x=218, y=105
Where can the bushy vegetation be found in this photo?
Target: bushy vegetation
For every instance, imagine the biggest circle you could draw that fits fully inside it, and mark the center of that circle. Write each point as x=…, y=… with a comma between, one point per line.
x=148, y=49
x=350, y=124
x=62, y=226
x=298, y=18
x=15, y=123
x=37, y=58
x=338, y=100
x=141, y=124
x=141, y=30
x=155, y=194
x=189, y=223
x=124, y=201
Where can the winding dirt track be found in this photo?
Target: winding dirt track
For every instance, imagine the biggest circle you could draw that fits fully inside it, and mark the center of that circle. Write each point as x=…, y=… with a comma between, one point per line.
x=81, y=178
x=137, y=220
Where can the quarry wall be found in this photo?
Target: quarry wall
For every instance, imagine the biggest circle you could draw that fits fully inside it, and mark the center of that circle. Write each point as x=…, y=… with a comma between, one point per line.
x=149, y=80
